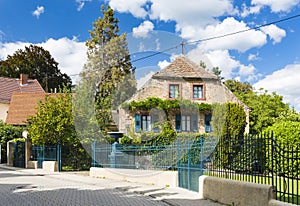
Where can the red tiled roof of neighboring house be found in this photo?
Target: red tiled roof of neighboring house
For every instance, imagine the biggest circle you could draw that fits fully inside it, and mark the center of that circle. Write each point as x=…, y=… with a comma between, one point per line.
x=10, y=85
x=22, y=106
x=182, y=67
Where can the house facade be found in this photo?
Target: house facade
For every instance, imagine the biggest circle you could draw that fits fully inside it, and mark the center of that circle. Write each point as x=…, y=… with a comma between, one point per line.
x=181, y=80
x=9, y=86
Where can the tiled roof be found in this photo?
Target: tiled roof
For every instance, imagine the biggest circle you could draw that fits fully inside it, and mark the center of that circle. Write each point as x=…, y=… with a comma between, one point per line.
x=10, y=85
x=182, y=67
x=22, y=106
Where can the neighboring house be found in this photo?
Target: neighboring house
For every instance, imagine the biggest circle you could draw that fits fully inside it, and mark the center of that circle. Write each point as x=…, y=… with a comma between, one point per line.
x=10, y=85
x=182, y=79
x=22, y=106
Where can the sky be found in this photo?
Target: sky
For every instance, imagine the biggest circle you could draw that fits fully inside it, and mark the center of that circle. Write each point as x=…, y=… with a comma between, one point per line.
x=267, y=57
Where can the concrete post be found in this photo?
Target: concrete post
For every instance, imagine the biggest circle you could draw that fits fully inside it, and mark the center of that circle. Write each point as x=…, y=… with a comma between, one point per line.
x=27, y=152
x=10, y=153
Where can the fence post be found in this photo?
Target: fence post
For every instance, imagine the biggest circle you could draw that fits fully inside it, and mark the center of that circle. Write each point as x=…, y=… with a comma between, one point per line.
x=94, y=153
x=178, y=164
x=201, y=154
x=59, y=157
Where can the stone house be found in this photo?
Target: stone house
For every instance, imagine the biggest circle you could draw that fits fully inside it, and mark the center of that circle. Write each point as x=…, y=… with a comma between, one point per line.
x=185, y=80
x=8, y=86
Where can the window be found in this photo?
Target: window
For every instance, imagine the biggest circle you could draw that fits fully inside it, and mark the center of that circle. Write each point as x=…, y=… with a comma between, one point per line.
x=198, y=91
x=146, y=123
x=174, y=91
x=207, y=120
x=186, y=123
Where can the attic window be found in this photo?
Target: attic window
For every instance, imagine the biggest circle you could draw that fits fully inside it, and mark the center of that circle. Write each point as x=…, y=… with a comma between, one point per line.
x=198, y=91
x=173, y=91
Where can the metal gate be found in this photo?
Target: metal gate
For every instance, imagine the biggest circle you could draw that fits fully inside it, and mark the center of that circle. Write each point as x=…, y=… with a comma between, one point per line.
x=19, y=154
x=46, y=153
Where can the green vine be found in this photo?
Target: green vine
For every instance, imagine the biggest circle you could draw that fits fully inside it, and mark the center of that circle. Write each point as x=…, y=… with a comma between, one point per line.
x=166, y=105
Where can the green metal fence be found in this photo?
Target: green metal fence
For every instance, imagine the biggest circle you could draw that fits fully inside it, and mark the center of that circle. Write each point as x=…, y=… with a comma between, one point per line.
x=181, y=155
x=46, y=153
x=259, y=159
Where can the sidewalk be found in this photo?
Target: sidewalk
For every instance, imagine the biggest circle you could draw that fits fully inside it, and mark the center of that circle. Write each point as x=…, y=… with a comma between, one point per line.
x=170, y=195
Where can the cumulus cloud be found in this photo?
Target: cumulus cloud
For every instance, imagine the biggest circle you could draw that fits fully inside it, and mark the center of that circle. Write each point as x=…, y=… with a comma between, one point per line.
x=69, y=53
x=141, y=81
x=39, y=10
x=9, y=48
x=163, y=64
x=276, y=5
x=135, y=7
x=249, y=10
x=275, y=33
x=241, y=41
x=252, y=57
x=285, y=82
x=143, y=29
x=231, y=68
x=194, y=12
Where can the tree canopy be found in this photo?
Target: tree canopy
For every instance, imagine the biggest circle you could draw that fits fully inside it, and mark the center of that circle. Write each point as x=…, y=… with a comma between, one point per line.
x=265, y=107
x=53, y=122
x=38, y=64
x=108, y=67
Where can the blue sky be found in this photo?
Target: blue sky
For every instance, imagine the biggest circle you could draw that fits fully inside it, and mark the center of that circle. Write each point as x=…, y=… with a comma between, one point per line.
x=268, y=57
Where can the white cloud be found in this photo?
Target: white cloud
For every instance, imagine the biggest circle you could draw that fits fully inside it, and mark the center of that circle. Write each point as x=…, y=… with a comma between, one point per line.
x=276, y=5
x=69, y=53
x=253, y=57
x=241, y=41
x=143, y=29
x=163, y=64
x=249, y=10
x=39, y=10
x=230, y=67
x=81, y=4
x=143, y=80
x=9, y=48
x=275, y=33
x=135, y=7
x=194, y=12
x=285, y=82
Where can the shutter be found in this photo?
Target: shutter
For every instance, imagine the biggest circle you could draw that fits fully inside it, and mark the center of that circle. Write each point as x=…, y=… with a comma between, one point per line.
x=195, y=123
x=137, y=123
x=178, y=122
x=155, y=121
x=207, y=120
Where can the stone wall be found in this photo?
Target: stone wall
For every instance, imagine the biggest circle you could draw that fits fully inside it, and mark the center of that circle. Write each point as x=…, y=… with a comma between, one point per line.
x=214, y=91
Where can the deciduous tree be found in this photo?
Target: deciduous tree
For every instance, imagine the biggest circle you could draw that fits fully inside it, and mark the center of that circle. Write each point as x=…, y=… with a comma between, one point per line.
x=38, y=64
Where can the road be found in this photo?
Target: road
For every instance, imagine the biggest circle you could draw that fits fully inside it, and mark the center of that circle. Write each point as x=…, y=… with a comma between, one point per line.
x=24, y=187
x=19, y=188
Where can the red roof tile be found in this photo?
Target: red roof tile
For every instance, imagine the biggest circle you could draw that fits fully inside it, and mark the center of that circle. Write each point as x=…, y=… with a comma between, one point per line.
x=10, y=85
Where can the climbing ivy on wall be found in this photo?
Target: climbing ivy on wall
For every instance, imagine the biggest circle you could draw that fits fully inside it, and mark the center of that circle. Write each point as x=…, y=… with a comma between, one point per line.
x=166, y=105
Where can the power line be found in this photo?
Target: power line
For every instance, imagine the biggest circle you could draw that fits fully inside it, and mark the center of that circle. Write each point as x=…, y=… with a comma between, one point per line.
x=245, y=30
x=212, y=38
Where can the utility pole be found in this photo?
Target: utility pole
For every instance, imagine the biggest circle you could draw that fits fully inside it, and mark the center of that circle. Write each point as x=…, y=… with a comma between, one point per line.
x=182, y=45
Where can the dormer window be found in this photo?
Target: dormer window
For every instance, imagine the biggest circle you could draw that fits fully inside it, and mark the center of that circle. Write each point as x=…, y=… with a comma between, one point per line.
x=173, y=91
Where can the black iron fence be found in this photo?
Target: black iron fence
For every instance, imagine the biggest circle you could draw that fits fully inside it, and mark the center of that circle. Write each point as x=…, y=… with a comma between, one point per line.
x=258, y=159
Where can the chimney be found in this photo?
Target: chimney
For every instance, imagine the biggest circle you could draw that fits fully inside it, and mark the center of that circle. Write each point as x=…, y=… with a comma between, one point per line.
x=23, y=79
